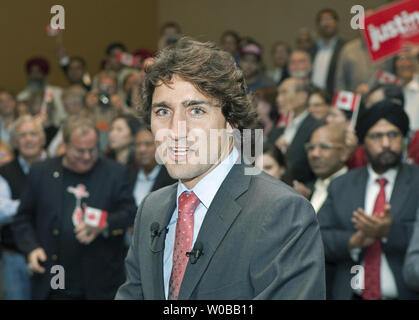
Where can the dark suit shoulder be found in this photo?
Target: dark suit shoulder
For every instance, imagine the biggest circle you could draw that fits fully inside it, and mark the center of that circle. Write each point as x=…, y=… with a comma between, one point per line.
x=9, y=166
x=161, y=193
x=311, y=122
x=111, y=166
x=270, y=189
x=351, y=175
x=47, y=164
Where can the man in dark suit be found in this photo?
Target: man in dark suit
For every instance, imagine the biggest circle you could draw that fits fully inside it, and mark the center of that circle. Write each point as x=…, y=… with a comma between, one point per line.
x=326, y=51
x=411, y=265
x=366, y=221
x=73, y=213
x=293, y=98
x=221, y=232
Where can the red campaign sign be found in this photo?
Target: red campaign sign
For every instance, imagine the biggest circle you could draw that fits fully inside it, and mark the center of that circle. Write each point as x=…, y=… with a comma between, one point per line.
x=390, y=28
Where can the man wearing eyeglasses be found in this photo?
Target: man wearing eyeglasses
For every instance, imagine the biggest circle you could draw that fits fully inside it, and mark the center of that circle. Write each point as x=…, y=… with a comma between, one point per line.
x=327, y=154
x=367, y=219
x=73, y=213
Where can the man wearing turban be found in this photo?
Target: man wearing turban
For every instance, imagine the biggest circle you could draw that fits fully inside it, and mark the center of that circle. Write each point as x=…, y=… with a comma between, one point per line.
x=366, y=221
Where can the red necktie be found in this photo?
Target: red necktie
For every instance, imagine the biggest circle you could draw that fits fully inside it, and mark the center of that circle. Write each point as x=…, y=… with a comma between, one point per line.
x=187, y=204
x=372, y=260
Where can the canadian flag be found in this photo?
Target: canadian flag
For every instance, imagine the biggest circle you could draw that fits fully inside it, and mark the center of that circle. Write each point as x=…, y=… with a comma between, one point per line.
x=346, y=100
x=51, y=32
x=385, y=77
x=127, y=59
x=95, y=217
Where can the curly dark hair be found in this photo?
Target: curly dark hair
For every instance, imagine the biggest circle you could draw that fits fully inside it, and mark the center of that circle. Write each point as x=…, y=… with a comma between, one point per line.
x=211, y=70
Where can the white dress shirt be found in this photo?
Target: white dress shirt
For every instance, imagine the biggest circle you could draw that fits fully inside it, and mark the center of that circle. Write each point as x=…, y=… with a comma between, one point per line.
x=321, y=63
x=388, y=283
x=275, y=74
x=411, y=102
x=144, y=183
x=320, y=189
x=205, y=190
x=293, y=127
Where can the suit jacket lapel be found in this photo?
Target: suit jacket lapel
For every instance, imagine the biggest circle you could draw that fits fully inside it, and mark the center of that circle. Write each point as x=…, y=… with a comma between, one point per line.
x=359, y=187
x=400, y=190
x=163, y=213
x=218, y=220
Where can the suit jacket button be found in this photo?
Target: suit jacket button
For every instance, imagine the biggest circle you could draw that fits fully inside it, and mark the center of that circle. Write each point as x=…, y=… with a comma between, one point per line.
x=54, y=257
x=55, y=232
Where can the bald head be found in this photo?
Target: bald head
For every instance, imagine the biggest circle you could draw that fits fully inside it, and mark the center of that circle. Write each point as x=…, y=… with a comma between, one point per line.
x=326, y=151
x=334, y=133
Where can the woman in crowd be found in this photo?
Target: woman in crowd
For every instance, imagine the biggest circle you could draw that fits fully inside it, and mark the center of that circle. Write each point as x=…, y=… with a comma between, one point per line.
x=121, y=139
x=273, y=162
x=319, y=103
x=267, y=115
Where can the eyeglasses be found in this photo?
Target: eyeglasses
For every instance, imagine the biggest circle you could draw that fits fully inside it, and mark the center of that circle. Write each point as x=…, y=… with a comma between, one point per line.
x=378, y=136
x=323, y=146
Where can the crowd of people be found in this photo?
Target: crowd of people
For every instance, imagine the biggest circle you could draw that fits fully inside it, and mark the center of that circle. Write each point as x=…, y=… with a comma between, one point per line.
x=65, y=152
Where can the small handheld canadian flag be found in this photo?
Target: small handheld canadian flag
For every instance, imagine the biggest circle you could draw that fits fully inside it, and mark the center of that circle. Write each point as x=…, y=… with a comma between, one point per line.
x=348, y=101
x=95, y=217
x=385, y=77
x=128, y=59
x=51, y=32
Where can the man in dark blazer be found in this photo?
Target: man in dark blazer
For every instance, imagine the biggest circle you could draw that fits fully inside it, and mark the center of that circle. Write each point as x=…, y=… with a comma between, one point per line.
x=51, y=227
x=293, y=97
x=326, y=52
x=221, y=232
x=411, y=265
x=366, y=221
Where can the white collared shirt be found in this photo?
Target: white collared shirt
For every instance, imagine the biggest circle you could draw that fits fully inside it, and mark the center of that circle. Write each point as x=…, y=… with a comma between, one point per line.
x=293, y=127
x=320, y=189
x=275, y=74
x=411, y=102
x=144, y=183
x=205, y=190
x=388, y=283
x=321, y=63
